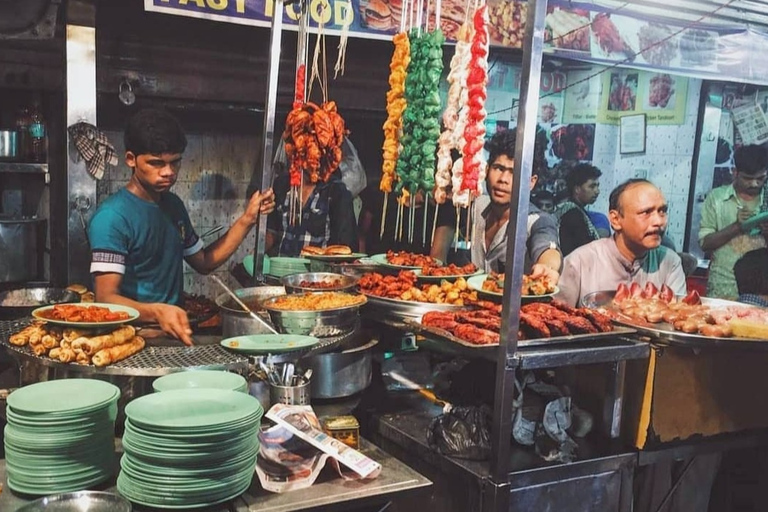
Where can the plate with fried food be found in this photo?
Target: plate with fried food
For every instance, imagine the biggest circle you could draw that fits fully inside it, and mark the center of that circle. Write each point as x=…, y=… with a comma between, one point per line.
x=336, y=253
x=404, y=260
x=492, y=285
x=93, y=314
x=449, y=272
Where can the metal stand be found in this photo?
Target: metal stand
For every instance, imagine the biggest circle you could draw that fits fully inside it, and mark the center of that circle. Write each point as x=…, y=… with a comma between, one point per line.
x=265, y=171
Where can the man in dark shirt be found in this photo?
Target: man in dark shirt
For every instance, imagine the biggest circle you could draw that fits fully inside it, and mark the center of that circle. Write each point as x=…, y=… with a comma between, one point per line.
x=327, y=217
x=576, y=227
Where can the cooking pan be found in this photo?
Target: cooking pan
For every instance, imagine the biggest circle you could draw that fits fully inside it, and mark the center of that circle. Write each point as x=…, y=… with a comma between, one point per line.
x=21, y=302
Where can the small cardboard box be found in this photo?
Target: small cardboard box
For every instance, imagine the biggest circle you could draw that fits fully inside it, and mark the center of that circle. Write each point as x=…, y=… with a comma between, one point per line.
x=680, y=392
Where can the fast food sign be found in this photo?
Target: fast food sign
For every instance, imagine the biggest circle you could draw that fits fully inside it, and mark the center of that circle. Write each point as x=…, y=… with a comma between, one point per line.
x=371, y=19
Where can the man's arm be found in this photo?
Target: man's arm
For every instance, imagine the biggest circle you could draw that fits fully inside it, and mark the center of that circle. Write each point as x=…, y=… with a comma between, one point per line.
x=213, y=256
x=711, y=236
x=342, y=213
x=543, y=247
x=172, y=319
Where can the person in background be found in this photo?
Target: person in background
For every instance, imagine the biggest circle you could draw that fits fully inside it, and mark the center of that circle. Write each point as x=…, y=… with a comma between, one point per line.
x=724, y=211
x=638, y=215
x=601, y=223
x=327, y=217
x=544, y=200
x=751, y=272
x=576, y=227
x=370, y=239
x=141, y=234
x=491, y=215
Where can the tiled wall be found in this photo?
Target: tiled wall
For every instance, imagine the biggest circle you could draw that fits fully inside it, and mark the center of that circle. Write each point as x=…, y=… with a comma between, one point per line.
x=212, y=183
x=667, y=159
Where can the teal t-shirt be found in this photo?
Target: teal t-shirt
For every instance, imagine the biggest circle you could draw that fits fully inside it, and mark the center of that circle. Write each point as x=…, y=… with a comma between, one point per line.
x=144, y=241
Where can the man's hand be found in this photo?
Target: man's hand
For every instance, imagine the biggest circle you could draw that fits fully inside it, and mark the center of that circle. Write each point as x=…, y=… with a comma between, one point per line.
x=539, y=270
x=744, y=214
x=261, y=203
x=173, y=321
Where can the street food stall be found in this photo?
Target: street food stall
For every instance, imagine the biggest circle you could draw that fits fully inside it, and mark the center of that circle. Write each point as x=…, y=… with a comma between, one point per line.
x=622, y=361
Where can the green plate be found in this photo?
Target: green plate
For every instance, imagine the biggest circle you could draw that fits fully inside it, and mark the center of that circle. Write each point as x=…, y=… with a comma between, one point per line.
x=437, y=279
x=132, y=315
x=476, y=283
x=381, y=259
x=64, y=397
x=181, y=409
x=127, y=487
x=268, y=343
x=209, y=379
x=335, y=257
x=248, y=264
x=752, y=224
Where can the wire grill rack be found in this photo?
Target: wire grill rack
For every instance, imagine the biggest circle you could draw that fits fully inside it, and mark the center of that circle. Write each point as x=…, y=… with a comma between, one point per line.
x=150, y=362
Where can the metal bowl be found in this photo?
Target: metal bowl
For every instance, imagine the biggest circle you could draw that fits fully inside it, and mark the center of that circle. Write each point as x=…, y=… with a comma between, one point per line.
x=293, y=282
x=321, y=324
x=253, y=298
x=83, y=501
x=21, y=302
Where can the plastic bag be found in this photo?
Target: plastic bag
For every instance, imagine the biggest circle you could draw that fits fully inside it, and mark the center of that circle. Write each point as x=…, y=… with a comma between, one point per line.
x=462, y=432
x=352, y=171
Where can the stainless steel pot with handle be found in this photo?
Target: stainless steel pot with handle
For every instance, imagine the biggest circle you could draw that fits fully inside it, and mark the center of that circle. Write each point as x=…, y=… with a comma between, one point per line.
x=20, y=303
x=341, y=374
x=235, y=321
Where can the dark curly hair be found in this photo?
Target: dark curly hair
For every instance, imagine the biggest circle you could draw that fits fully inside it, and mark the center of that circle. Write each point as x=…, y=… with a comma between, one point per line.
x=580, y=174
x=751, y=159
x=154, y=132
x=503, y=143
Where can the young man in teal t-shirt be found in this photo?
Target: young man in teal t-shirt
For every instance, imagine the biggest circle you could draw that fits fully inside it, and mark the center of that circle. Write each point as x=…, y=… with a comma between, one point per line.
x=141, y=235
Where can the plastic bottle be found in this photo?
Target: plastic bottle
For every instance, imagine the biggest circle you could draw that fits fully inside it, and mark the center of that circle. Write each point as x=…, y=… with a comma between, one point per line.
x=37, y=134
x=23, y=151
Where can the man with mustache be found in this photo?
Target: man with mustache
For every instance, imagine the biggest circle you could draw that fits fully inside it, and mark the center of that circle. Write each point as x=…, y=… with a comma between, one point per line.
x=141, y=235
x=722, y=215
x=491, y=216
x=638, y=216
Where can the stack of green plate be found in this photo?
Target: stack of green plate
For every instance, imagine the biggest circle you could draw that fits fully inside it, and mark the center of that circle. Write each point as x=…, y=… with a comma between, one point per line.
x=282, y=266
x=206, y=379
x=189, y=448
x=60, y=435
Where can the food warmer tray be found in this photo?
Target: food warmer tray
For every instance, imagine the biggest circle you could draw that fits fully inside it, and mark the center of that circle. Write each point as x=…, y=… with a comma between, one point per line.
x=381, y=308
x=150, y=362
x=438, y=334
x=665, y=334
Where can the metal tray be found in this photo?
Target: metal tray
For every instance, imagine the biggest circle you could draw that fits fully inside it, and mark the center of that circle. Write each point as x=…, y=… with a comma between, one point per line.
x=399, y=310
x=664, y=333
x=150, y=362
x=443, y=335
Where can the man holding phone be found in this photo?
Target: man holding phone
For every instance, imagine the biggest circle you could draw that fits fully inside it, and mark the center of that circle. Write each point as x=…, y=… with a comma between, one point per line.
x=724, y=232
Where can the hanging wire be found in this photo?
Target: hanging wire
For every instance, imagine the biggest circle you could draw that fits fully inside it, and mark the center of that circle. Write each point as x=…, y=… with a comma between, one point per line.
x=628, y=59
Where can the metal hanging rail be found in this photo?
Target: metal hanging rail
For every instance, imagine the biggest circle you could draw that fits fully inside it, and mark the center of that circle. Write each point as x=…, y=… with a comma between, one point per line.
x=270, y=104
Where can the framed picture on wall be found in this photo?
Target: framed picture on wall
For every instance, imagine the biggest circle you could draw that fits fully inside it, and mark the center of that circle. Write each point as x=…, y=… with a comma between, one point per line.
x=632, y=134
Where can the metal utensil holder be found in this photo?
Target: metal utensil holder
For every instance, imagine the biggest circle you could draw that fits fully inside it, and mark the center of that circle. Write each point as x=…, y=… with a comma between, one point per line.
x=290, y=395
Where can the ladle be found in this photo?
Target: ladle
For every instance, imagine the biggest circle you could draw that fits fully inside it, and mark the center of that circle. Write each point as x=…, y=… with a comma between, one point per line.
x=242, y=304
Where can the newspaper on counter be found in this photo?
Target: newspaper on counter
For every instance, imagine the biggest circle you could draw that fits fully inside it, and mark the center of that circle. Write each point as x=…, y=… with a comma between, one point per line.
x=286, y=462
x=301, y=420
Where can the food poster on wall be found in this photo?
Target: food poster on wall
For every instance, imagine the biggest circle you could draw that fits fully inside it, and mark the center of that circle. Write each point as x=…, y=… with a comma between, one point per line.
x=372, y=19
x=626, y=35
x=660, y=96
x=582, y=96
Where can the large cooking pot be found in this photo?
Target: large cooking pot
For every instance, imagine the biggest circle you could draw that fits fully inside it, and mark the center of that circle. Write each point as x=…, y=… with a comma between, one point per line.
x=21, y=249
x=340, y=374
x=235, y=321
x=20, y=303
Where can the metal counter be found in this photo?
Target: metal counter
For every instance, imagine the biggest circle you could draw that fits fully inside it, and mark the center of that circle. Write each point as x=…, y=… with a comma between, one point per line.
x=329, y=492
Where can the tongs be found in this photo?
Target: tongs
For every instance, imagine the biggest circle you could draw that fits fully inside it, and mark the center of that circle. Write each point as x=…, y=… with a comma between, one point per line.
x=242, y=304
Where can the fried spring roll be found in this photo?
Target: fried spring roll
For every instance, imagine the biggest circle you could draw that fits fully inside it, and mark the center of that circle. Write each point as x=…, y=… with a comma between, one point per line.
x=92, y=345
x=82, y=357
x=49, y=341
x=54, y=353
x=119, y=352
x=38, y=349
x=67, y=355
